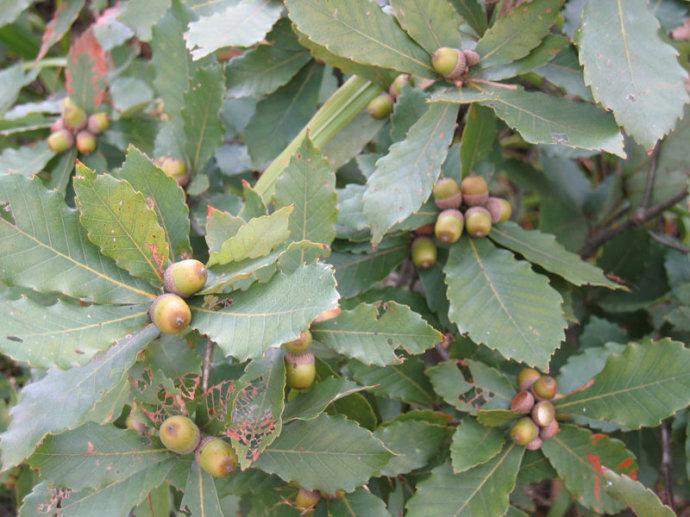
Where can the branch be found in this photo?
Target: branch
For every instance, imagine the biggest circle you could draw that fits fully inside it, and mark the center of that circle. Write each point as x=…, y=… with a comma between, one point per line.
x=650, y=175
x=667, y=463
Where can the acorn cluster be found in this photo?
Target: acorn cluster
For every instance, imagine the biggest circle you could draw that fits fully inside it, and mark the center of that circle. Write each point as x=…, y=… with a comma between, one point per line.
x=382, y=105
x=169, y=312
x=534, y=399
x=76, y=126
x=453, y=63
x=465, y=207
x=175, y=168
x=181, y=435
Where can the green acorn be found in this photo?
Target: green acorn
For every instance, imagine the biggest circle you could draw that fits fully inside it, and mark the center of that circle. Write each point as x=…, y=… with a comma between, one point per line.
x=60, y=141
x=449, y=225
x=300, y=370
x=424, y=252
x=185, y=277
x=524, y=431
x=543, y=413
x=477, y=221
x=306, y=501
x=74, y=117
x=170, y=313
x=179, y=434
x=398, y=83
x=447, y=193
x=216, y=456
x=527, y=377
x=499, y=209
x=449, y=62
x=545, y=388
x=175, y=168
x=98, y=122
x=381, y=106
x=86, y=142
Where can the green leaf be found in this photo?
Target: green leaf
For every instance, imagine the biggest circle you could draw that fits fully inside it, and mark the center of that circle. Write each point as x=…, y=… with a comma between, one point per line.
x=257, y=406
x=634, y=494
x=432, y=23
x=130, y=96
x=267, y=67
x=254, y=239
x=565, y=71
x=310, y=404
x=580, y=368
x=43, y=247
x=478, y=137
x=327, y=453
x=360, y=31
x=645, y=384
x=349, y=142
x=579, y=458
x=360, y=503
x=413, y=442
x=502, y=303
x=405, y=176
x=109, y=455
x=61, y=172
x=64, y=399
x=164, y=195
x=63, y=334
x=410, y=105
x=120, y=222
x=11, y=9
x=86, y=73
x=372, y=333
x=27, y=159
x=201, y=115
x=473, y=444
x=269, y=314
x=507, y=40
x=482, y=491
x=200, y=494
x=542, y=249
x=240, y=24
x=630, y=69
x=62, y=20
x=141, y=15
x=449, y=382
x=405, y=381
x=496, y=417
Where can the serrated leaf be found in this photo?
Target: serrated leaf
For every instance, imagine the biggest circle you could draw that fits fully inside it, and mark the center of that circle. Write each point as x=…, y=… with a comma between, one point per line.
x=579, y=458
x=86, y=73
x=62, y=20
x=542, y=249
x=311, y=404
x=372, y=333
x=37, y=228
x=496, y=417
x=141, y=15
x=414, y=443
x=410, y=105
x=63, y=399
x=257, y=406
x=634, y=494
x=254, y=239
x=502, y=303
x=264, y=69
x=506, y=40
x=645, y=384
x=432, y=23
x=121, y=223
x=27, y=159
x=269, y=314
x=361, y=32
x=405, y=176
x=474, y=444
x=200, y=494
x=201, y=115
x=63, y=334
x=545, y=119
x=164, y=195
x=478, y=137
x=405, y=381
x=472, y=11
x=482, y=491
x=565, y=71
x=580, y=368
x=360, y=503
x=642, y=83
x=61, y=172
x=449, y=382
x=327, y=453
x=240, y=24
x=109, y=455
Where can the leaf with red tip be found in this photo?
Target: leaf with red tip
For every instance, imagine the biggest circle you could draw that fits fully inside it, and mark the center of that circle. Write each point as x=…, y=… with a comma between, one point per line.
x=62, y=20
x=86, y=72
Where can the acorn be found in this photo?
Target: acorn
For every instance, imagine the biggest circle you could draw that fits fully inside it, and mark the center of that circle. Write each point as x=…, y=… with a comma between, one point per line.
x=74, y=117
x=395, y=89
x=543, y=413
x=424, y=252
x=179, y=434
x=175, y=168
x=57, y=125
x=86, y=142
x=184, y=278
x=550, y=430
x=447, y=193
x=449, y=62
x=170, y=313
x=381, y=106
x=534, y=445
x=471, y=57
x=306, y=500
x=545, y=388
x=216, y=456
x=524, y=431
x=477, y=221
x=427, y=229
x=523, y=402
x=527, y=377
x=475, y=191
x=449, y=225
x=98, y=122
x=60, y=141
x=499, y=209
x=300, y=370
x=137, y=420
x=301, y=344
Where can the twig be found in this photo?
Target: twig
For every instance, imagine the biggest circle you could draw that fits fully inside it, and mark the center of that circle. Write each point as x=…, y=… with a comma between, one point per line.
x=493, y=83
x=667, y=463
x=207, y=366
x=661, y=240
x=651, y=174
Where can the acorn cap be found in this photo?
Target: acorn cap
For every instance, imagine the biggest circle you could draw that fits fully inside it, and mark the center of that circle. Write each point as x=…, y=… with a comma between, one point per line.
x=472, y=57
x=449, y=62
x=549, y=431
x=475, y=191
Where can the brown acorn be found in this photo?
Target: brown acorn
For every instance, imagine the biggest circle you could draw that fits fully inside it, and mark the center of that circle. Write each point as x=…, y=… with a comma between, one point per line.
x=523, y=402
x=447, y=193
x=475, y=191
x=549, y=431
x=527, y=377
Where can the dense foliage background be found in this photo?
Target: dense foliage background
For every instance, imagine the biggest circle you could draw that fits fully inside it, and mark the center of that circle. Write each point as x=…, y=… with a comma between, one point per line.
x=303, y=208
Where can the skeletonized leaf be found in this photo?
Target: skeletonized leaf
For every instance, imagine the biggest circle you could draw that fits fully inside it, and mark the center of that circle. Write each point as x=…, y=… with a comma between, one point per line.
x=86, y=74
x=645, y=384
x=414, y=443
x=64, y=399
x=634, y=494
x=326, y=453
x=43, y=247
x=431, y=23
x=474, y=444
x=405, y=176
x=200, y=494
x=502, y=303
x=630, y=69
x=372, y=333
x=121, y=223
